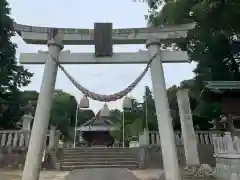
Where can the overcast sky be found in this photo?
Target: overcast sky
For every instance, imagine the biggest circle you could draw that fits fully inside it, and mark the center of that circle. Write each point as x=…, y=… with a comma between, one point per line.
x=104, y=79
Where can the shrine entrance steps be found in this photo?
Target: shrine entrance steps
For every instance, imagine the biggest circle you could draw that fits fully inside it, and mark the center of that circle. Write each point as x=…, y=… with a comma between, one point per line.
x=82, y=158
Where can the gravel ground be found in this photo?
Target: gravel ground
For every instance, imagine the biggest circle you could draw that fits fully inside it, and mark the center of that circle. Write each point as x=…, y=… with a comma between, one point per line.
x=45, y=175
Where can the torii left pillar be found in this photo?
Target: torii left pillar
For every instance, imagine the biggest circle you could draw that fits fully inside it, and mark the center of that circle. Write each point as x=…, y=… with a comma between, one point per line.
x=41, y=120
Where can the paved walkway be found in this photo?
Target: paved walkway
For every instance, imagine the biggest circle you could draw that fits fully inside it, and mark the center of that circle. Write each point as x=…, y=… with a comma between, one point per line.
x=148, y=174
x=56, y=175
x=101, y=174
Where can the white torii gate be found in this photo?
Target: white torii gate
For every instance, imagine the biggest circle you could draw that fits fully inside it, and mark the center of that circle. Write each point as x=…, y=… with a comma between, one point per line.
x=55, y=40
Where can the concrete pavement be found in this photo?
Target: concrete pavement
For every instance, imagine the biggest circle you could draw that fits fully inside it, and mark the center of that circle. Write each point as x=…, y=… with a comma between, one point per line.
x=148, y=174
x=101, y=174
x=110, y=174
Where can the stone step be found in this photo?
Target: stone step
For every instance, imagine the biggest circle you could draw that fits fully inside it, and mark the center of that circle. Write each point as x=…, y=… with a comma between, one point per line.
x=91, y=159
x=99, y=163
x=72, y=167
x=98, y=148
x=79, y=155
x=79, y=158
x=96, y=156
x=97, y=152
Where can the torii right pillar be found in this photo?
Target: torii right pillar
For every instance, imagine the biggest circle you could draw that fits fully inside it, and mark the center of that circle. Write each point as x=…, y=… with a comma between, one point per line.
x=169, y=153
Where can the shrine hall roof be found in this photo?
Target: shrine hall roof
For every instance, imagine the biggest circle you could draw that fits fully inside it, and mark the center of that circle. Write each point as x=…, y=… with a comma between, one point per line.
x=98, y=124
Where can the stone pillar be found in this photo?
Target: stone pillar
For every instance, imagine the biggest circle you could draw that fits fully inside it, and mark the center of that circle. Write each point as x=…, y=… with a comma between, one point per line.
x=40, y=126
x=188, y=133
x=169, y=153
x=52, y=138
x=26, y=124
x=57, y=139
x=26, y=127
x=144, y=138
x=146, y=134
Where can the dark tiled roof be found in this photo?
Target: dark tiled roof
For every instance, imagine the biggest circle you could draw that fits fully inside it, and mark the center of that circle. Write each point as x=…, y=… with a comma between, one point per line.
x=98, y=121
x=223, y=85
x=215, y=91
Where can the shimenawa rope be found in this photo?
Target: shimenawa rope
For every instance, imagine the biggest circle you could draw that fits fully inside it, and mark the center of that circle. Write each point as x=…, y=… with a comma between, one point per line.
x=105, y=98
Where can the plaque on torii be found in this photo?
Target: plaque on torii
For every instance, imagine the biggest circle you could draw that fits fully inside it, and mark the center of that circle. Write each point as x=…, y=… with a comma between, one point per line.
x=103, y=39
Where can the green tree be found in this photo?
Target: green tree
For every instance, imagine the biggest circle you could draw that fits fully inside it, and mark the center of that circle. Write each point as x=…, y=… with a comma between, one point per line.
x=149, y=106
x=133, y=129
x=136, y=112
x=149, y=111
x=84, y=115
x=27, y=96
x=133, y=121
x=213, y=44
x=63, y=111
x=210, y=42
x=63, y=114
x=12, y=75
x=116, y=115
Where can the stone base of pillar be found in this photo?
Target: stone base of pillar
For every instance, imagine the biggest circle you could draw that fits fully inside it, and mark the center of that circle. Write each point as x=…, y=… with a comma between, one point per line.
x=227, y=168
x=203, y=171
x=58, y=166
x=160, y=177
x=142, y=157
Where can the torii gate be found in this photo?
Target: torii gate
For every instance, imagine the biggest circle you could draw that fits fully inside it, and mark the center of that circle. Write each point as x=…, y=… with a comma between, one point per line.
x=55, y=38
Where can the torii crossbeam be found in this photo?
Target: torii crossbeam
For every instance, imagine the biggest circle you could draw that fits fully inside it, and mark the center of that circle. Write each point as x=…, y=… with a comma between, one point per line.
x=73, y=36
x=66, y=57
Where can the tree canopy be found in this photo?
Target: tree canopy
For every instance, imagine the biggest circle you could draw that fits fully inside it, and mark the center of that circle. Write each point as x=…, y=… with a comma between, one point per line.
x=210, y=42
x=213, y=44
x=63, y=113
x=12, y=75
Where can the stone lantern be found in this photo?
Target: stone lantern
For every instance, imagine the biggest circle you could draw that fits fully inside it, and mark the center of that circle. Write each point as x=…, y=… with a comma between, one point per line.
x=27, y=120
x=127, y=103
x=84, y=102
x=105, y=112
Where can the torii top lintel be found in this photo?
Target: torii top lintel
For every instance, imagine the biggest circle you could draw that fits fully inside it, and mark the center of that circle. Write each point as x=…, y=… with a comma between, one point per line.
x=71, y=36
